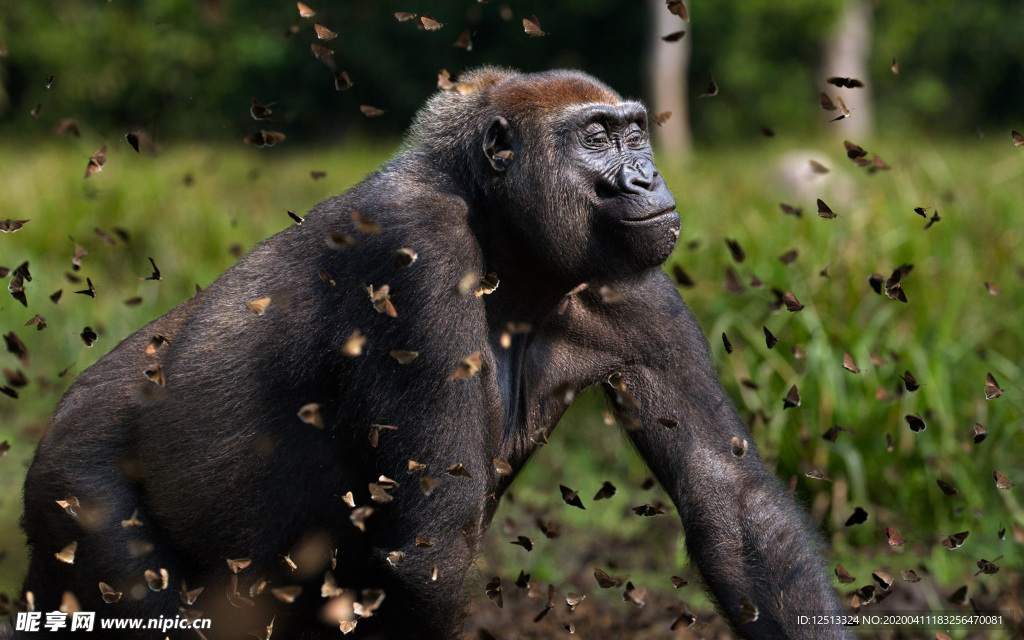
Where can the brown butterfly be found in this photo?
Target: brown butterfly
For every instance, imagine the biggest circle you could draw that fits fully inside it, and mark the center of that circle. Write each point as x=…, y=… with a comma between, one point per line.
x=1002, y=482
x=676, y=7
x=532, y=28
x=849, y=364
x=895, y=539
x=635, y=595
x=736, y=250
x=67, y=554
x=732, y=282
x=843, y=575
x=262, y=139
x=910, y=575
x=748, y=611
x=959, y=596
x=853, y=151
x=824, y=211
x=894, y=286
x=605, y=581
x=464, y=41
x=305, y=11
x=524, y=542
x=769, y=339
x=341, y=81
x=549, y=529
x=682, y=278
x=67, y=125
x=883, y=578
x=910, y=381
x=570, y=497
x=323, y=54
x=381, y=299
x=661, y=118
x=978, y=433
x=956, y=540
x=1018, y=139
x=379, y=491
x=647, y=510
x=791, y=210
x=427, y=484
x=726, y=343
x=675, y=36
x=457, y=470
x=91, y=291
x=818, y=474
x=895, y=66
x=157, y=581
x=501, y=467
x=446, y=81
x=712, y=89
x=606, y=491
x=842, y=107
x=96, y=161
x=739, y=447
x=426, y=22
x=310, y=414
x=109, y=595
x=493, y=591
x=859, y=516
x=792, y=304
x=258, y=306
x=468, y=366
x=877, y=164
x=404, y=16
x=916, y=423
x=992, y=390
x=260, y=111
x=988, y=568
x=139, y=138
x=371, y=112
x=849, y=83
x=792, y=399
x=324, y=33
x=834, y=432
x=405, y=257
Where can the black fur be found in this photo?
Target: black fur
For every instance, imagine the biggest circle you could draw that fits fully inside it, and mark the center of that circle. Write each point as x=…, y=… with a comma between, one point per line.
x=501, y=175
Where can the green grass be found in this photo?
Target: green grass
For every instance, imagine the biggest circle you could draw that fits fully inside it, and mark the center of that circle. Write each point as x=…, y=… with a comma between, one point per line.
x=949, y=335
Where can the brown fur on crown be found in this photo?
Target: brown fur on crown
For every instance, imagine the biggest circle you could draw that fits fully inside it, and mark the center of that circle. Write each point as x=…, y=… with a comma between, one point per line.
x=547, y=91
x=448, y=125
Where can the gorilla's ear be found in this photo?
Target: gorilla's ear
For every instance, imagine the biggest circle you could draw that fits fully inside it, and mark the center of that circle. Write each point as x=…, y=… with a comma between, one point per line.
x=498, y=144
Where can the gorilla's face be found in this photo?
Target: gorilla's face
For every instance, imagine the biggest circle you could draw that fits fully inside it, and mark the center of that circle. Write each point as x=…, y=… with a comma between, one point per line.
x=581, y=191
x=634, y=223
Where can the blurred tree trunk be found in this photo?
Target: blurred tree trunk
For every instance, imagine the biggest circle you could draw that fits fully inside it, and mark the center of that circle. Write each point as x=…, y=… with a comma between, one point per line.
x=848, y=54
x=668, y=64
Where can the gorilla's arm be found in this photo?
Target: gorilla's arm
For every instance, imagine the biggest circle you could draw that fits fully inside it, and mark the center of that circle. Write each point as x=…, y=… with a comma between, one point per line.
x=742, y=529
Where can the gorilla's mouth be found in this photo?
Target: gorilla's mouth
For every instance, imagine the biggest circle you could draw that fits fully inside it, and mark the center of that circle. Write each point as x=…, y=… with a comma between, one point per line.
x=653, y=216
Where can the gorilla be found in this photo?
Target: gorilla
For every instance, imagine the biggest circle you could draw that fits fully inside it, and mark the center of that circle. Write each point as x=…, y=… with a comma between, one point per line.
x=321, y=437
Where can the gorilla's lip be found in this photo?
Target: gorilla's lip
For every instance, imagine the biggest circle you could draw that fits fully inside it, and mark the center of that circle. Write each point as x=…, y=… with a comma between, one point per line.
x=653, y=216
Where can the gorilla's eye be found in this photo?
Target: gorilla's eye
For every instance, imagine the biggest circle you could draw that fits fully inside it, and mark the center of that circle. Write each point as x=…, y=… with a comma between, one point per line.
x=595, y=135
x=635, y=136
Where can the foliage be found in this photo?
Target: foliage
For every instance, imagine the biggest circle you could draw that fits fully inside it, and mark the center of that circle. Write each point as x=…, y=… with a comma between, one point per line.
x=187, y=70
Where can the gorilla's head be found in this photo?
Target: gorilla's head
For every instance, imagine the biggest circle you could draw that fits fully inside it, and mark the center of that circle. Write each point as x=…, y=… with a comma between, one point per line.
x=561, y=168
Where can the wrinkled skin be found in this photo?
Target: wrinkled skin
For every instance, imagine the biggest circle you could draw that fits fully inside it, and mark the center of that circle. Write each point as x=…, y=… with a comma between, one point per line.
x=546, y=180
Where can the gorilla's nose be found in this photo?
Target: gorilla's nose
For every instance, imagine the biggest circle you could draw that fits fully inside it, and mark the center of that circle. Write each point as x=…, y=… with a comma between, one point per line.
x=637, y=177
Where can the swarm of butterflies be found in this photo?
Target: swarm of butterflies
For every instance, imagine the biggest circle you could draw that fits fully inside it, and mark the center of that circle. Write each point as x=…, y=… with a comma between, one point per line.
x=529, y=599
